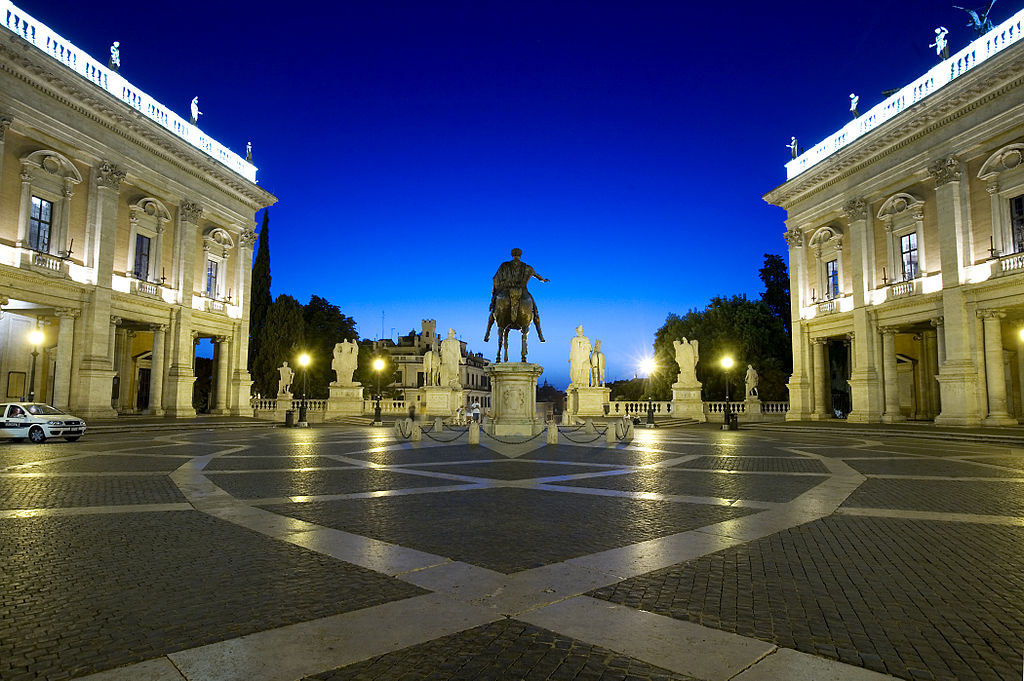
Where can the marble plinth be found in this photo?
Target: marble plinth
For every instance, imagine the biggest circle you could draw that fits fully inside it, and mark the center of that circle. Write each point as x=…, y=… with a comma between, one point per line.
x=514, y=398
x=687, y=402
x=438, y=400
x=344, y=400
x=587, y=400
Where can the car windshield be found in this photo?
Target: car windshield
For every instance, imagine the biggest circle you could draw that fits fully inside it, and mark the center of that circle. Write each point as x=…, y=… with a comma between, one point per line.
x=42, y=409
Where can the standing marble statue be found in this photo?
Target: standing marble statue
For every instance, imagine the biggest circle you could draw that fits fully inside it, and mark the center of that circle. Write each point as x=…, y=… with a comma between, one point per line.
x=597, y=366
x=687, y=356
x=751, y=381
x=194, y=111
x=284, y=383
x=579, y=358
x=114, y=63
x=346, y=357
x=430, y=362
x=451, y=354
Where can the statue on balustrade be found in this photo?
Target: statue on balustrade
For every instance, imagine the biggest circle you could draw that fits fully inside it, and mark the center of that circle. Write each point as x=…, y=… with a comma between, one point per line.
x=579, y=359
x=512, y=306
x=980, y=24
x=346, y=358
x=451, y=354
x=687, y=356
x=597, y=366
x=751, y=381
x=284, y=384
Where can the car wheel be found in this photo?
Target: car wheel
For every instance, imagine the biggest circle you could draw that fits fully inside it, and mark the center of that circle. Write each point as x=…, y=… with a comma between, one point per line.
x=36, y=435
x=72, y=438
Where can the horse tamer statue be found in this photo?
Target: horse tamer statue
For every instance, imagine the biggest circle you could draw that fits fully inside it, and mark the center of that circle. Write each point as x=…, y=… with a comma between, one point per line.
x=512, y=306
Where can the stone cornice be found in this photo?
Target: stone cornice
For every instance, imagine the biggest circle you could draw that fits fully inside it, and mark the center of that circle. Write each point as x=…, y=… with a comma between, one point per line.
x=37, y=69
x=993, y=79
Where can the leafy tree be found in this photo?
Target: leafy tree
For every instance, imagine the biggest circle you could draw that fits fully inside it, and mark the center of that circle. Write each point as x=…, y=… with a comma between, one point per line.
x=549, y=393
x=632, y=389
x=746, y=330
x=259, y=291
x=324, y=325
x=776, y=288
x=282, y=342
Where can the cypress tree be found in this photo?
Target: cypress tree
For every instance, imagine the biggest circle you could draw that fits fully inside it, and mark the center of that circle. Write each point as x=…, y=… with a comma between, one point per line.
x=259, y=292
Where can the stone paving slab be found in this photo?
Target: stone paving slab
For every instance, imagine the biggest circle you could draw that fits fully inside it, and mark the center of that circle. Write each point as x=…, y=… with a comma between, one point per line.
x=626, y=457
x=761, y=465
x=508, y=530
x=942, y=468
x=238, y=462
x=312, y=483
x=46, y=492
x=398, y=457
x=512, y=469
x=948, y=496
x=1014, y=462
x=705, y=484
x=508, y=649
x=83, y=594
x=875, y=593
x=111, y=463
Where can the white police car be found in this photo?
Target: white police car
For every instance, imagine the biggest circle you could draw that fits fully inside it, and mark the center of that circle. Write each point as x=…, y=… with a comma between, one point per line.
x=38, y=421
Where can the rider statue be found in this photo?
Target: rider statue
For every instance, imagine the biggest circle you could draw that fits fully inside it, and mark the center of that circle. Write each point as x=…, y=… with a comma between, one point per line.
x=512, y=277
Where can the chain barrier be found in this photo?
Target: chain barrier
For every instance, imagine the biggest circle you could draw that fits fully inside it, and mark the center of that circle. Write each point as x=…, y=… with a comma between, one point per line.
x=511, y=442
x=400, y=429
x=451, y=439
x=600, y=434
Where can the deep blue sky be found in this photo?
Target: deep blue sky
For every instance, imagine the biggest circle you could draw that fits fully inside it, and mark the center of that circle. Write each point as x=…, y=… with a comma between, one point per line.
x=624, y=146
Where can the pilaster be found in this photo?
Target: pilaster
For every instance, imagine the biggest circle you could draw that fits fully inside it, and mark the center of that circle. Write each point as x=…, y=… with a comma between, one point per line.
x=995, y=375
x=821, y=381
x=223, y=375
x=241, y=380
x=800, y=406
x=891, y=377
x=156, y=374
x=65, y=347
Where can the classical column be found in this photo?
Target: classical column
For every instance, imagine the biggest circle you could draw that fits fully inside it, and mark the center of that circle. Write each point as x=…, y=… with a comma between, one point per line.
x=800, y=386
x=995, y=372
x=180, y=374
x=156, y=372
x=241, y=381
x=891, y=376
x=931, y=368
x=96, y=369
x=5, y=122
x=820, y=378
x=1020, y=374
x=223, y=377
x=864, y=375
x=125, y=400
x=25, y=202
x=919, y=409
x=65, y=348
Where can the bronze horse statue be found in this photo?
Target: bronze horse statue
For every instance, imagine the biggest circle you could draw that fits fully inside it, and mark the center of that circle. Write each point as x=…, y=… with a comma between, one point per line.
x=503, y=318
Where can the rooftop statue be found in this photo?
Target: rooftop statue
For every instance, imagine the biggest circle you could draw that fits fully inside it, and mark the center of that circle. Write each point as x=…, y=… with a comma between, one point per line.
x=979, y=24
x=794, y=148
x=941, y=45
x=512, y=306
x=854, y=100
x=115, y=57
x=195, y=112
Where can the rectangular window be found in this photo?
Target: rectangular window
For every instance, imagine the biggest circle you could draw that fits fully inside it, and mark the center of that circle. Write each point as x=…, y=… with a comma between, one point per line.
x=141, y=270
x=1017, y=223
x=211, y=278
x=908, y=255
x=832, y=279
x=40, y=221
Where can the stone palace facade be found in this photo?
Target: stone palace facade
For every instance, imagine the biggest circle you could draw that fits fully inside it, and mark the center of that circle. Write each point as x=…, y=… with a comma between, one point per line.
x=906, y=250
x=126, y=235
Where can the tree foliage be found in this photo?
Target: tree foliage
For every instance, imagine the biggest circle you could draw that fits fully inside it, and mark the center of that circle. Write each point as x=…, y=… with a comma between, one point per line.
x=259, y=291
x=324, y=325
x=776, y=288
x=368, y=376
x=631, y=389
x=282, y=341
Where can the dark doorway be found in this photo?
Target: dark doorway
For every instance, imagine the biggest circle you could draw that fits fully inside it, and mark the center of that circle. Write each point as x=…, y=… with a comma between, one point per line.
x=142, y=391
x=839, y=375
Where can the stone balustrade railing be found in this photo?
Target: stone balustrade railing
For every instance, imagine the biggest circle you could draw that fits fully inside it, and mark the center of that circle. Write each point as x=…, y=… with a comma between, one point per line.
x=386, y=407
x=719, y=407
x=1011, y=263
x=774, y=407
x=47, y=262
x=993, y=42
x=61, y=49
x=620, y=407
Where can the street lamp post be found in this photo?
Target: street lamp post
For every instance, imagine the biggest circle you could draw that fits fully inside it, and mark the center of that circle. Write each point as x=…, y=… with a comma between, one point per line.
x=378, y=365
x=304, y=363
x=35, y=338
x=727, y=363
x=648, y=367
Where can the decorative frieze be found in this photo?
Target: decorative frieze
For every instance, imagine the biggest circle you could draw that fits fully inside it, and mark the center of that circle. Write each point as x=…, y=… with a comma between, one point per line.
x=247, y=238
x=795, y=238
x=945, y=171
x=109, y=176
x=190, y=212
x=856, y=209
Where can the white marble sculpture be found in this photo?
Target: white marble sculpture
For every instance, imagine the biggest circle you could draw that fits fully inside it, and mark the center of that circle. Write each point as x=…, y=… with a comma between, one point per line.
x=284, y=384
x=431, y=364
x=941, y=45
x=346, y=357
x=579, y=358
x=687, y=356
x=751, y=381
x=194, y=111
x=115, y=57
x=597, y=366
x=451, y=354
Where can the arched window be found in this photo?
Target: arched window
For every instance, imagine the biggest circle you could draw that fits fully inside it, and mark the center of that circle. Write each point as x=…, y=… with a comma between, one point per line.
x=903, y=215
x=1003, y=174
x=827, y=243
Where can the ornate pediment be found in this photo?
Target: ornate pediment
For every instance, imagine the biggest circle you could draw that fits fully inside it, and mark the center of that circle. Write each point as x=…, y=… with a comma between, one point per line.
x=899, y=205
x=1009, y=157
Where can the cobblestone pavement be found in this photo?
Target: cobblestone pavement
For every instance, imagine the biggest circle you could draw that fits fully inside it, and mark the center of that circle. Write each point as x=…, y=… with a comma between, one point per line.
x=338, y=553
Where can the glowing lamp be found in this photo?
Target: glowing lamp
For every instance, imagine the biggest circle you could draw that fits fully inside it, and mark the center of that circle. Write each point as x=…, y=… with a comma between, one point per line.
x=727, y=362
x=378, y=364
x=304, y=360
x=35, y=337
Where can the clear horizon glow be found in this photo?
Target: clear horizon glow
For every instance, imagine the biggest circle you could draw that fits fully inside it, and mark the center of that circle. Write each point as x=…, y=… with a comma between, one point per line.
x=623, y=148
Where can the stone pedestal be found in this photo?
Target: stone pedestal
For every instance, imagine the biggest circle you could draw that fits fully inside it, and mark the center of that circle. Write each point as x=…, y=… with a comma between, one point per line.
x=585, y=400
x=344, y=400
x=687, y=403
x=751, y=409
x=514, y=398
x=439, y=400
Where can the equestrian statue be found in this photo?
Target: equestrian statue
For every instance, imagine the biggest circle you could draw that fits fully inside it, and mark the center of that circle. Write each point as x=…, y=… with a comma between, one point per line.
x=512, y=306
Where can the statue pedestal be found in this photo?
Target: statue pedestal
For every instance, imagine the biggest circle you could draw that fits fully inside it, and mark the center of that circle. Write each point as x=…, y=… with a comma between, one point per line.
x=751, y=409
x=438, y=400
x=344, y=400
x=587, y=401
x=687, y=403
x=514, y=399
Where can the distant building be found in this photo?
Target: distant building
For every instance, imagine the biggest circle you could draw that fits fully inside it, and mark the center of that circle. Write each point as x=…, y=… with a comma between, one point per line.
x=408, y=355
x=906, y=249
x=126, y=235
